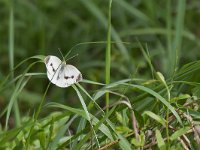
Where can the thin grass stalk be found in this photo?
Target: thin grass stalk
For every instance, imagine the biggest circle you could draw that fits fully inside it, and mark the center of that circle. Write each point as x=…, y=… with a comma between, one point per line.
x=108, y=54
x=169, y=39
x=167, y=117
x=178, y=35
x=169, y=48
x=11, y=59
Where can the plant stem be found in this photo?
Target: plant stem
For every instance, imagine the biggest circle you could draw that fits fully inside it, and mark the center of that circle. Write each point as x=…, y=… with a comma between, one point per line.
x=108, y=54
x=11, y=59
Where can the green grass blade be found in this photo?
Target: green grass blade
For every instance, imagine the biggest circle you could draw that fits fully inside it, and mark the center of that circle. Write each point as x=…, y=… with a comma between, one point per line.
x=150, y=91
x=93, y=100
x=102, y=127
x=147, y=57
x=86, y=111
x=124, y=143
x=16, y=92
x=99, y=15
x=20, y=85
x=108, y=54
x=169, y=36
x=81, y=126
x=159, y=97
x=178, y=36
x=11, y=59
x=11, y=38
x=82, y=102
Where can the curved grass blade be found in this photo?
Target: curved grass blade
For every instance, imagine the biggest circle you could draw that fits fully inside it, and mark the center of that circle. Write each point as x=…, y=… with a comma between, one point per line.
x=16, y=92
x=102, y=127
x=151, y=92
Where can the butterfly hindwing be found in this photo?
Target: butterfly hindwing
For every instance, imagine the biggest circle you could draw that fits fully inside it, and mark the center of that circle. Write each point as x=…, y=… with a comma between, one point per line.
x=72, y=74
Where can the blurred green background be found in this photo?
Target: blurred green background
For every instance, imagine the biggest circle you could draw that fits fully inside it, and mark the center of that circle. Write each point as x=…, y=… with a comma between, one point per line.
x=168, y=31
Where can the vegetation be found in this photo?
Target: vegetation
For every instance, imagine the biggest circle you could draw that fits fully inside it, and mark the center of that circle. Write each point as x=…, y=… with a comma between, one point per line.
x=139, y=61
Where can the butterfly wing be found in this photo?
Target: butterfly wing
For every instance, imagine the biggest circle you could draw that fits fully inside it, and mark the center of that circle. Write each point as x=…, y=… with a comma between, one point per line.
x=61, y=74
x=53, y=65
x=68, y=75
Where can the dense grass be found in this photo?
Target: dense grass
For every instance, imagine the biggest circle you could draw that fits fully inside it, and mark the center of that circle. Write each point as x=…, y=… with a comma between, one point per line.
x=140, y=64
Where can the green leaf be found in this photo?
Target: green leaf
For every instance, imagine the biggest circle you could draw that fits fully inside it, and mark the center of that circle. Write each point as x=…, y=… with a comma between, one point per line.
x=196, y=91
x=179, y=133
x=180, y=97
x=158, y=118
x=61, y=132
x=139, y=142
x=160, y=141
x=124, y=144
x=161, y=78
x=123, y=129
x=42, y=138
x=119, y=117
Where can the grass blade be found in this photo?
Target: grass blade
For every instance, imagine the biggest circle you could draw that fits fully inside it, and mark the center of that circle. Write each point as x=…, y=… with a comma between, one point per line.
x=175, y=51
x=108, y=54
x=11, y=59
x=99, y=15
x=86, y=111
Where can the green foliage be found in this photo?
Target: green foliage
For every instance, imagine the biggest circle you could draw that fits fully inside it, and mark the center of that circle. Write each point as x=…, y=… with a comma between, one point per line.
x=142, y=54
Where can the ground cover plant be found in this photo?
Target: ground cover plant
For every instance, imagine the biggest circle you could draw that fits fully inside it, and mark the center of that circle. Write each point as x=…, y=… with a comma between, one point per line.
x=140, y=66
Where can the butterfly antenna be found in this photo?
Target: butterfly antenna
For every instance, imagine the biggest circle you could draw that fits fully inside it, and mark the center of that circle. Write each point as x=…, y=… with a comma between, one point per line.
x=72, y=57
x=61, y=54
x=68, y=53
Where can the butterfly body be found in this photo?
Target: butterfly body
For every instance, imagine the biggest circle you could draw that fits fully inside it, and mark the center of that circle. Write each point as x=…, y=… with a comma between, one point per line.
x=60, y=73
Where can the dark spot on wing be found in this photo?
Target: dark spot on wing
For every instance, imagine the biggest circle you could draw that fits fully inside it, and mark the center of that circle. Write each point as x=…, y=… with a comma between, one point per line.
x=72, y=77
x=66, y=77
x=47, y=59
x=79, y=78
x=52, y=67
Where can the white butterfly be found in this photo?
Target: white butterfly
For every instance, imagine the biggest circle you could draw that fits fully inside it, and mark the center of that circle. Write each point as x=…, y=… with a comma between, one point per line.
x=61, y=74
